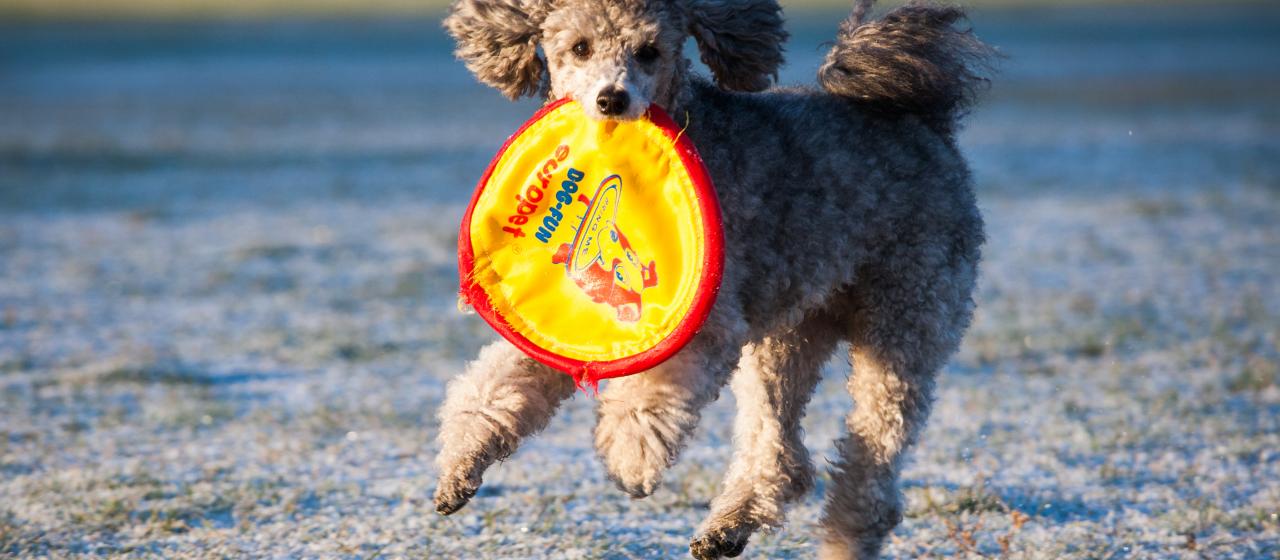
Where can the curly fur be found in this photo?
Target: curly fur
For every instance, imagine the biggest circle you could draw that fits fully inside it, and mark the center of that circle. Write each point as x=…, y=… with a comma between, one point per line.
x=914, y=60
x=498, y=41
x=849, y=216
x=741, y=42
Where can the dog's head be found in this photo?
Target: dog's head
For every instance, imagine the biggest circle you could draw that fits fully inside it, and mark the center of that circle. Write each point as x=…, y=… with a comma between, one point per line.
x=615, y=57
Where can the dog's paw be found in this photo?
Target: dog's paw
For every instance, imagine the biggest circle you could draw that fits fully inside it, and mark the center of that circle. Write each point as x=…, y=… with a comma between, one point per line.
x=453, y=494
x=636, y=446
x=724, y=542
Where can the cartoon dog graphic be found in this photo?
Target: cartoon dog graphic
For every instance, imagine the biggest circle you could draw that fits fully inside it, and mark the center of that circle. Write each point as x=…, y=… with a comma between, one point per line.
x=601, y=261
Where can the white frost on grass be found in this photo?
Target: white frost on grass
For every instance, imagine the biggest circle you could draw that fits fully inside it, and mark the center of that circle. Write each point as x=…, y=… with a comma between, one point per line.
x=262, y=382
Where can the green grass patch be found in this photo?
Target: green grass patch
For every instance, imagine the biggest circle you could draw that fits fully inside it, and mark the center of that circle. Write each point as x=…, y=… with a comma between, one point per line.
x=975, y=498
x=1257, y=375
x=162, y=374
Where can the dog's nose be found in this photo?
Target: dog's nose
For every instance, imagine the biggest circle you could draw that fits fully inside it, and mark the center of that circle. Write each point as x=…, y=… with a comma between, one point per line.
x=613, y=101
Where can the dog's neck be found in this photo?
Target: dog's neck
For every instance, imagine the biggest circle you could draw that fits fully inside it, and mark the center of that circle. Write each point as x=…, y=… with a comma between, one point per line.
x=675, y=95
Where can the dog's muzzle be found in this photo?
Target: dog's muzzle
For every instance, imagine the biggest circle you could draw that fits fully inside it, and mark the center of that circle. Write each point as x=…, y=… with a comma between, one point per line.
x=613, y=101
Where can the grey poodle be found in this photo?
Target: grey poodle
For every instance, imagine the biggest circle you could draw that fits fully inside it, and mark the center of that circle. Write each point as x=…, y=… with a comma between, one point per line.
x=849, y=215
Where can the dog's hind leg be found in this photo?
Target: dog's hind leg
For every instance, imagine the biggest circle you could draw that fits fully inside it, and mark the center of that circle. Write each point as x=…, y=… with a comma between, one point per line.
x=863, y=503
x=907, y=320
x=644, y=419
x=771, y=466
x=503, y=397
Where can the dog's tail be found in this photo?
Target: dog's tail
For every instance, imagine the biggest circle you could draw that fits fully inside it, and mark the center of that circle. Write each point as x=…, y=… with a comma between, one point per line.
x=916, y=59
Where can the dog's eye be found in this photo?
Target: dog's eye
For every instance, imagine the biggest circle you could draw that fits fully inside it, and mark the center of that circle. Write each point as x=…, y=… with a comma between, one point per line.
x=582, y=49
x=647, y=53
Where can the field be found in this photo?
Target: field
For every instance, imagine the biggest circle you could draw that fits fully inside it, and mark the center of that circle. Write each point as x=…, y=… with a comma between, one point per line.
x=227, y=314
x=237, y=9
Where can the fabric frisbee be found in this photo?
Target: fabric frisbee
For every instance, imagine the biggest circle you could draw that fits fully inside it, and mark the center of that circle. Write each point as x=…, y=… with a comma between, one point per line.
x=593, y=246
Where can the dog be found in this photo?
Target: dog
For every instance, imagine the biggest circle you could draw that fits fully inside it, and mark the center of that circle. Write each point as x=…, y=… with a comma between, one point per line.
x=849, y=216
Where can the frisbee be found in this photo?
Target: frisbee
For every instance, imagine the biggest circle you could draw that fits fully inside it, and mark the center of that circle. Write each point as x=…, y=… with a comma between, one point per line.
x=595, y=247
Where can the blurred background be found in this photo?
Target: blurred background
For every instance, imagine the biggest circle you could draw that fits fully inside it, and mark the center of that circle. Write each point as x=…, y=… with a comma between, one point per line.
x=227, y=277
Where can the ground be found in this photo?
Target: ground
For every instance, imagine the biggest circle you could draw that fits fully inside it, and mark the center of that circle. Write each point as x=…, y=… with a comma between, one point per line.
x=227, y=314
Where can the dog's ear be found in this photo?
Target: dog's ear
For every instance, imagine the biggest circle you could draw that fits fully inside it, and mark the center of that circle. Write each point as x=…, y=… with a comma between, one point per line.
x=740, y=40
x=498, y=41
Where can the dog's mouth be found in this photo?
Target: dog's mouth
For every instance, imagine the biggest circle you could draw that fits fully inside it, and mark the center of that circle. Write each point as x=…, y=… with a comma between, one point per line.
x=614, y=119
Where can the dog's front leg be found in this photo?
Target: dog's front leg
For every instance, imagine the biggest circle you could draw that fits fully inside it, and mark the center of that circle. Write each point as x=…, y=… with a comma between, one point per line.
x=645, y=419
x=503, y=397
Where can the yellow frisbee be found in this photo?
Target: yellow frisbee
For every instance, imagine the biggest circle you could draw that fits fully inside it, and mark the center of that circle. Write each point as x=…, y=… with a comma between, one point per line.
x=594, y=246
